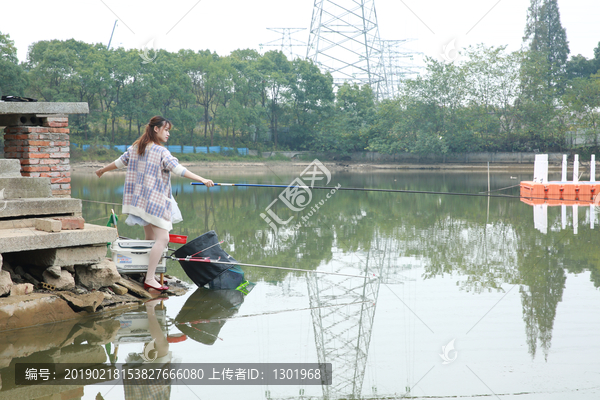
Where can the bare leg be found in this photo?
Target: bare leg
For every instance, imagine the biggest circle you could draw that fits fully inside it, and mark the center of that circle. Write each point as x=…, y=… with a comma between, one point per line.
x=161, y=238
x=148, y=232
x=160, y=341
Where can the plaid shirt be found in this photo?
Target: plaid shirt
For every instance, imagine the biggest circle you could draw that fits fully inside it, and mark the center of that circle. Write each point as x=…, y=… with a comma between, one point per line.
x=148, y=184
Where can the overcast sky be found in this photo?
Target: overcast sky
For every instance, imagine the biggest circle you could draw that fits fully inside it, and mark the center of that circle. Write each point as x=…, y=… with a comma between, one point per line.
x=226, y=25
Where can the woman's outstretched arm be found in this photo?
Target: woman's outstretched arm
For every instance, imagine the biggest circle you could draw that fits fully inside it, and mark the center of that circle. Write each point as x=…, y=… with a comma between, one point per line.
x=190, y=175
x=109, y=167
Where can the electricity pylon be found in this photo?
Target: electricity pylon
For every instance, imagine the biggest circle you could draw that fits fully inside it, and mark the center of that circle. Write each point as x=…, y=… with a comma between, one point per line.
x=344, y=40
x=286, y=42
x=397, y=63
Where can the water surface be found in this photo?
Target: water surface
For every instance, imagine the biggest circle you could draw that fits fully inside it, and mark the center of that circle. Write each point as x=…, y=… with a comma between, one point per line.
x=470, y=299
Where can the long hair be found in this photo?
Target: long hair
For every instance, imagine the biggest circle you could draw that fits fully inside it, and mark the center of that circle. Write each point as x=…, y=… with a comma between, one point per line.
x=149, y=135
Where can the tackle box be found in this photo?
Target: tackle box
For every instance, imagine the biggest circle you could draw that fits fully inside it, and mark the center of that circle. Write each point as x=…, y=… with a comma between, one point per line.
x=132, y=255
x=135, y=327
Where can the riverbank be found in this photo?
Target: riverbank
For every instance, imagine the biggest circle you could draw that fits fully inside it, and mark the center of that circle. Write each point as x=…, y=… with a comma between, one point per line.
x=253, y=167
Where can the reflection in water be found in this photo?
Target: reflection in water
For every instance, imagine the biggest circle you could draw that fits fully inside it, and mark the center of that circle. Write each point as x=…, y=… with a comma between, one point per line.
x=485, y=244
x=342, y=330
x=542, y=283
x=156, y=354
x=66, y=342
x=206, y=311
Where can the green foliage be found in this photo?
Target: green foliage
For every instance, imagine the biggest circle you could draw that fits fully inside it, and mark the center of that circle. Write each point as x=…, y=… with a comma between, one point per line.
x=12, y=77
x=491, y=100
x=546, y=36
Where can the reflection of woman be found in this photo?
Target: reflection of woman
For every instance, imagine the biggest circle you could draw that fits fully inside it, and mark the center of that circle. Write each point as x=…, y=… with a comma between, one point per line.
x=147, y=197
x=160, y=357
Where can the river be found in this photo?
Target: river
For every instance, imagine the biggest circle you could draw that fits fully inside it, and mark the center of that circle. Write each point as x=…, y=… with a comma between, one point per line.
x=452, y=296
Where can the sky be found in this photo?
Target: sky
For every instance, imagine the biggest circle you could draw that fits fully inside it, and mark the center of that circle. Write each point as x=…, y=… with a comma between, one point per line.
x=226, y=25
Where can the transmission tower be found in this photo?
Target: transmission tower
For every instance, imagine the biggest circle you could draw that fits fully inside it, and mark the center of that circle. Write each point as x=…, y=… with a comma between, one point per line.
x=398, y=64
x=286, y=42
x=343, y=310
x=344, y=40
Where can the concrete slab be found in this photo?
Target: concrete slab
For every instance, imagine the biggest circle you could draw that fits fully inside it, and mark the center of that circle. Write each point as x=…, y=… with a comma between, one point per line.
x=42, y=107
x=21, y=222
x=12, y=240
x=25, y=187
x=64, y=257
x=33, y=309
x=39, y=207
x=10, y=168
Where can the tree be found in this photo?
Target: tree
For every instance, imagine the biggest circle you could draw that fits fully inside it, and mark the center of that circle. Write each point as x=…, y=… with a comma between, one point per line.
x=206, y=77
x=276, y=70
x=545, y=34
x=248, y=98
x=580, y=67
x=310, y=100
x=12, y=77
x=583, y=99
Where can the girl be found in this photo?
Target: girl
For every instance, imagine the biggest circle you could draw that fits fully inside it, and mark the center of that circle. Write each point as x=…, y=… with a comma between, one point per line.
x=147, y=195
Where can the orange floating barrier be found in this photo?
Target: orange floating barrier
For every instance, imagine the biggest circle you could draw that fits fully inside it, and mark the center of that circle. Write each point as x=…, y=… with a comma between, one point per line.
x=555, y=193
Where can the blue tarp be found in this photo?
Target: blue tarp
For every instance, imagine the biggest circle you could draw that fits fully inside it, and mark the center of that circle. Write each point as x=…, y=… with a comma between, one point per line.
x=177, y=148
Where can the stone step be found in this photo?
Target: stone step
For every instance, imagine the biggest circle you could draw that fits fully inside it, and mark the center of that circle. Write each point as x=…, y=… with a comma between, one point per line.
x=30, y=222
x=10, y=168
x=38, y=207
x=24, y=188
x=22, y=239
x=64, y=256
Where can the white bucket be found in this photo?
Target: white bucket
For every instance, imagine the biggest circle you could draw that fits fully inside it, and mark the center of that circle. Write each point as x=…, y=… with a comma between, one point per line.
x=132, y=255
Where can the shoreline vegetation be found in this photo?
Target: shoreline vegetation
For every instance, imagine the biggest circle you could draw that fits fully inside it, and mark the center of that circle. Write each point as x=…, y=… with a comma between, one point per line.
x=255, y=165
x=489, y=100
x=92, y=159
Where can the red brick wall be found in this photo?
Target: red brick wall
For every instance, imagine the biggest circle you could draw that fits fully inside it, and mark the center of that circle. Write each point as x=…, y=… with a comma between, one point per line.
x=43, y=152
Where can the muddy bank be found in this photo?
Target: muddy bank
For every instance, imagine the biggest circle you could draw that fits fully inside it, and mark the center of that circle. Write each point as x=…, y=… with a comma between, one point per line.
x=40, y=306
x=252, y=168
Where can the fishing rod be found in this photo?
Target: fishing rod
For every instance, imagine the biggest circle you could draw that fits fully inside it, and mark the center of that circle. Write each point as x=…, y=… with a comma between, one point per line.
x=208, y=260
x=355, y=189
x=336, y=188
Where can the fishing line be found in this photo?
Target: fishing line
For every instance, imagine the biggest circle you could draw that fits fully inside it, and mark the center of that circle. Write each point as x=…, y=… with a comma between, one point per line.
x=101, y=202
x=207, y=260
x=271, y=313
x=504, y=188
x=481, y=194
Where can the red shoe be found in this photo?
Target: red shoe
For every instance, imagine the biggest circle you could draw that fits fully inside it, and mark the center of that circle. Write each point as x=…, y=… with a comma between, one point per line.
x=159, y=288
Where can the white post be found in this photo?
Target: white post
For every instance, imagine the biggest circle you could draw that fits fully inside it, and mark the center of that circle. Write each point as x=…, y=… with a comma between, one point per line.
x=540, y=217
x=563, y=215
x=592, y=216
x=564, y=169
x=540, y=168
x=575, y=218
x=593, y=169
x=576, y=168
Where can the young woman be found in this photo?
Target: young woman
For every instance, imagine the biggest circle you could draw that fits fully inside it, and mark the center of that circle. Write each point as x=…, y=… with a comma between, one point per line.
x=147, y=195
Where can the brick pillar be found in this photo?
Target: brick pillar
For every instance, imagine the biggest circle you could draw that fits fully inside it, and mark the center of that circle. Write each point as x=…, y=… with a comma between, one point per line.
x=43, y=151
